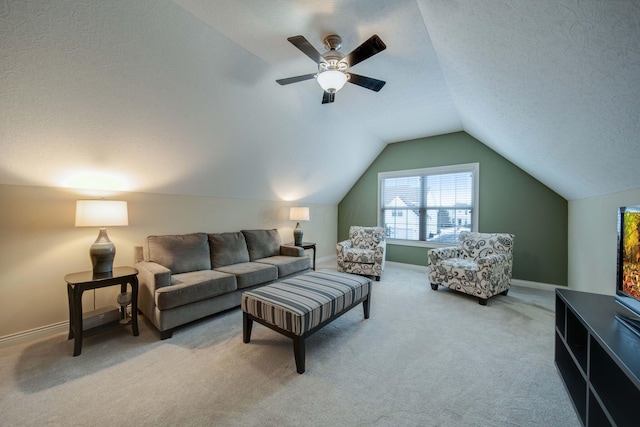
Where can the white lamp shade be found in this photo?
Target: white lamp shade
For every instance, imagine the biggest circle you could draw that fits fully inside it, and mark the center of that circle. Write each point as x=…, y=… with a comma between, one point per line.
x=332, y=80
x=101, y=213
x=299, y=214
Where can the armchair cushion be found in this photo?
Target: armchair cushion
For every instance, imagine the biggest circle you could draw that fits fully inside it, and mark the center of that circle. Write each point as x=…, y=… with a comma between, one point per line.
x=461, y=263
x=364, y=256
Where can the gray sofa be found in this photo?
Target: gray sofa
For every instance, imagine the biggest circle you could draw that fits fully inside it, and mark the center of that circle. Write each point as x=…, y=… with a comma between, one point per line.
x=186, y=277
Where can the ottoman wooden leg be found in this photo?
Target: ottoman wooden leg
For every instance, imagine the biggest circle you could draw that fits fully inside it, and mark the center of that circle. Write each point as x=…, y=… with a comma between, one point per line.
x=247, y=323
x=366, y=305
x=298, y=353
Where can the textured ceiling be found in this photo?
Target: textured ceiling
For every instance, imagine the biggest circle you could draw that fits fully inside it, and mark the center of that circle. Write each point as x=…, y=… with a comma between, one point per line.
x=180, y=96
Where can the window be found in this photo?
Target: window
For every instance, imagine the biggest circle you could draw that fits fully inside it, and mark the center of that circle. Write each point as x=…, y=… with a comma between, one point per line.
x=429, y=207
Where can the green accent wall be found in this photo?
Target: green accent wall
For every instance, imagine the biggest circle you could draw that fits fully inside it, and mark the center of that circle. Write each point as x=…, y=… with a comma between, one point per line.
x=510, y=200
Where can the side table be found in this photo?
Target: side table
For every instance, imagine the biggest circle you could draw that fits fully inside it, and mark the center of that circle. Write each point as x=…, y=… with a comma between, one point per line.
x=77, y=283
x=307, y=245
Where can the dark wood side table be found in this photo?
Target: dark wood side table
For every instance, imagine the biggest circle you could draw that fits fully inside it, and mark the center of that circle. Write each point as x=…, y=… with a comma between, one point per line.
x=77, y=283
x=307, y=245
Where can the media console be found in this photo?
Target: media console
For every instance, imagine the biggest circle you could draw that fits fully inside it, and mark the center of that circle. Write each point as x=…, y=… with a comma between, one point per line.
x=598, y=358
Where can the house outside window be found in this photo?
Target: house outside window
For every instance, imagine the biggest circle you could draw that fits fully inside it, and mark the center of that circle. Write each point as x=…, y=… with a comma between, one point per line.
x=428, y=207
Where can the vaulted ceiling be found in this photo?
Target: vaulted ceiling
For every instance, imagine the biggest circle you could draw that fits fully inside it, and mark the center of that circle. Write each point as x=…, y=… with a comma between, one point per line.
x=179, y=96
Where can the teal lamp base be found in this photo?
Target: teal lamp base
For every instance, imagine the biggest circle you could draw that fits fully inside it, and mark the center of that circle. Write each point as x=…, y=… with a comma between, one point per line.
x=297, y=235
x=102, y=253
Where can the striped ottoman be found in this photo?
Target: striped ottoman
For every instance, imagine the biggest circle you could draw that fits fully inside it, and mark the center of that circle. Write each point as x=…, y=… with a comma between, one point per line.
x=299, y=306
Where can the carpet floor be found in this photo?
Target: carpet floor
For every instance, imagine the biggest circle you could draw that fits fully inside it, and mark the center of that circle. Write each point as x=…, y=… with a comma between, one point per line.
x=424, y=358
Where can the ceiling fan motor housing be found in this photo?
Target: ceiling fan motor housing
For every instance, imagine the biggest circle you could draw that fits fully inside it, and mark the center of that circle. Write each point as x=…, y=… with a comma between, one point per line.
x=332, y=56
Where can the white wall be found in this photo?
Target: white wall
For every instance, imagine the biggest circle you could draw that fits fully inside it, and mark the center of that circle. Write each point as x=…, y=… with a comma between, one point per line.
x=39, y=243
x=593, y=240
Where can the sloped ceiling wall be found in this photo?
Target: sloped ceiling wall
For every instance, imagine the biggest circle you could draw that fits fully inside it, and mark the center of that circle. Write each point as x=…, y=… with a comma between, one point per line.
x=180, y=97
x=554, y=86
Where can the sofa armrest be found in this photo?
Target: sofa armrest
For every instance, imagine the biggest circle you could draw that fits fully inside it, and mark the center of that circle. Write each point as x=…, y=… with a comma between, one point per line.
x=138, y=255
x=289, y=250
x=439, y=254
x=153, y=275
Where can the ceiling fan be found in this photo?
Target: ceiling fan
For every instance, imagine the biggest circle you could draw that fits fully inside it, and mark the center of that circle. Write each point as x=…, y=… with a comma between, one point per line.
x=333, y=65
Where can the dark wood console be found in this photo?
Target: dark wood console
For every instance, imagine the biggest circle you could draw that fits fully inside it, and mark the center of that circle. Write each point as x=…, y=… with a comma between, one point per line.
x=598, y=358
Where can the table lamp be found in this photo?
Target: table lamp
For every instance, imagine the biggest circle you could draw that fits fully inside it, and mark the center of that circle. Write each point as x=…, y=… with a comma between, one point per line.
x=298, y=214
x=101, y=213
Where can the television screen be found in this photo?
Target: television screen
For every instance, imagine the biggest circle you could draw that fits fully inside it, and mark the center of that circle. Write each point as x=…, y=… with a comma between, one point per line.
x=628, y=281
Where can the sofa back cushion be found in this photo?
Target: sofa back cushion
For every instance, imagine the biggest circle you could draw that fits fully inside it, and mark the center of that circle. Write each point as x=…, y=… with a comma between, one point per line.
x=179, y=253
x=262, y=243
x=227, y=249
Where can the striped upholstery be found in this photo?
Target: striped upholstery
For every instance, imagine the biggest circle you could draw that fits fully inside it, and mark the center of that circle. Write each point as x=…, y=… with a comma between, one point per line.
x=301, y=303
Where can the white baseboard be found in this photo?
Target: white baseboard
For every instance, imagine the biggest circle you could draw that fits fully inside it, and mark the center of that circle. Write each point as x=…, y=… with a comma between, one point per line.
x=326, y=259
x=421, y=268
x=34, y=334
x=536, y=285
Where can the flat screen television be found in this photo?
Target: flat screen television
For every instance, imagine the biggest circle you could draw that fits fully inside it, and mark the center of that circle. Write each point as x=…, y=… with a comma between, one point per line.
x=628, y=277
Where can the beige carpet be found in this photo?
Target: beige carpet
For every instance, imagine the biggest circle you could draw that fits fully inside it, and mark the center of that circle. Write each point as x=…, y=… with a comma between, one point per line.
x=424, y=358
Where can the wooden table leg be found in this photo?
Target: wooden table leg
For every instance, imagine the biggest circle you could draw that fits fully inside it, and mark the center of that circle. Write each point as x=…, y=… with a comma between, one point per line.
x=77, y=322
x=314, y=258
x=71, y=317
x=134, y=306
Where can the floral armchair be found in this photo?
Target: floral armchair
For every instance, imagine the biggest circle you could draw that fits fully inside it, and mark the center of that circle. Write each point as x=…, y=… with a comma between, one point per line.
x=363, y=253
x=481, y=265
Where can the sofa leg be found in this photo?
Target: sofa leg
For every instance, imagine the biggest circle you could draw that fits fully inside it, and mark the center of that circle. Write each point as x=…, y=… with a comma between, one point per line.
x=434, y=287
x=377, y=278
x=165, y=335
x=483, y=301
x=504, y=292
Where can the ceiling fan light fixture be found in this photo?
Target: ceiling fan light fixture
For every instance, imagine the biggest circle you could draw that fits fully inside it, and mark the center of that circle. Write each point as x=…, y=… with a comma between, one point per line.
x=331, y=80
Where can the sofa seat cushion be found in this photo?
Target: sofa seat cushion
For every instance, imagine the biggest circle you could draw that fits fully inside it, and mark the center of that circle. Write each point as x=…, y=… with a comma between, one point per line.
x=179, y=253
x=287, y=265
x=227, y=249
x=362, y=256
x=195, y=286
x=460, y=263
x=251, y=273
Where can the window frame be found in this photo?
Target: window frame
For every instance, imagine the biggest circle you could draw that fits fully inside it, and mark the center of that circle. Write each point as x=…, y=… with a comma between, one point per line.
x=474, y=168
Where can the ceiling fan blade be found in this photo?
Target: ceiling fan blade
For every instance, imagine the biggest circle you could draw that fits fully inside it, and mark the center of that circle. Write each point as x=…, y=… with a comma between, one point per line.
x=328, y=97
x=366, y=50
x=296, y=79
x=301, y=43
x=366, y=82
